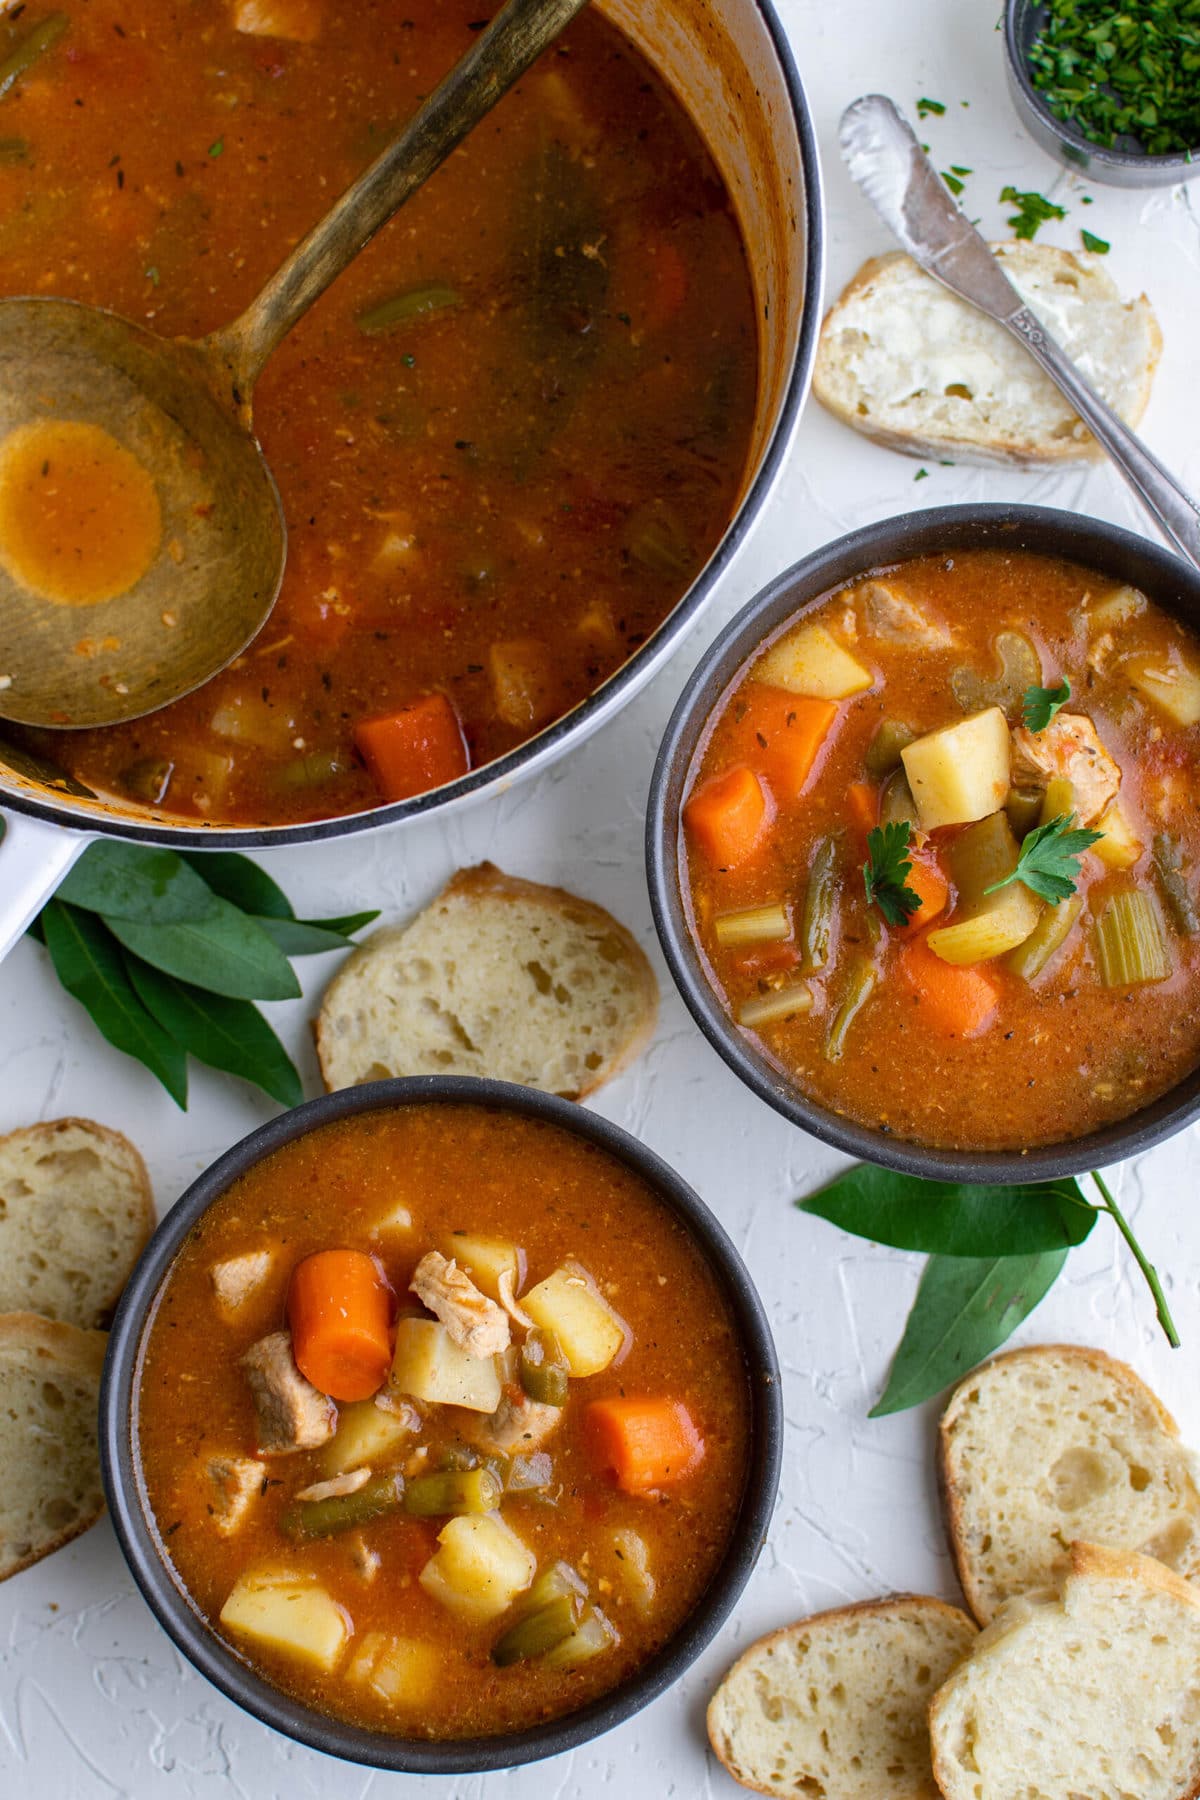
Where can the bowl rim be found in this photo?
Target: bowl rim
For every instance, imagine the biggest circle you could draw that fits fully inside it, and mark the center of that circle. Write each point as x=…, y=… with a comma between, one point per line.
x=1164, y=163
x=625, y=682
x=216, y=1659
x=1094, y=543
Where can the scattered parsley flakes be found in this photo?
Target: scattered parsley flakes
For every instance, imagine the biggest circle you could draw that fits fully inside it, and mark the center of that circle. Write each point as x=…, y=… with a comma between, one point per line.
x=957, y=169
x=952, y=182
x=925, y=107
x=886, y=872
x=921, y=475
x=217, y=148
x=1040, y=704
x=1049, y=859
x=152, y=276
x=1097, y=245
x=1035, y=209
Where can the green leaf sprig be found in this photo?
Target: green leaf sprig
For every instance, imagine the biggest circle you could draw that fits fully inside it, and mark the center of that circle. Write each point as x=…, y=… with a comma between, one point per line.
x=1041, y=704
x=168, y=953
x=994, y=1253
x=1049, y=859
x=1122, y=69
x=886, y=871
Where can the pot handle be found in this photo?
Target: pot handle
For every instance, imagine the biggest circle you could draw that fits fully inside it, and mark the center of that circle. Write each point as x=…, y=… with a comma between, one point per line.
x=34, y=857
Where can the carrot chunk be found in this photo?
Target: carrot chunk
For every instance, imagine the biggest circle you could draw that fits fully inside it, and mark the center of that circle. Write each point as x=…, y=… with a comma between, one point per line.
x=646, y=1444
x=421, y=746
x=781, y=735
x=339, y=1311
x=862, y=804
x=961, y=1001
x=926, y=880
x=727, y=816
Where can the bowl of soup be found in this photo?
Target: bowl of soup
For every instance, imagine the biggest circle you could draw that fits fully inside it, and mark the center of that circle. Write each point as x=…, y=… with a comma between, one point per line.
x=441, y=1425
x=923, y=847
x=517, y=443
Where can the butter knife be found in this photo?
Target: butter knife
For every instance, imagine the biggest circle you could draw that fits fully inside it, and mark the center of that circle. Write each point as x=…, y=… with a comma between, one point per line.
x=883, y=156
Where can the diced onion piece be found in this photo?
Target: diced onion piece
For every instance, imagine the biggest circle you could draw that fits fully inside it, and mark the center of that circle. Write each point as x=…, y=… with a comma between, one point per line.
x=780, y=1003
x=287, y=1613
x=1118, y=846
x=1175, y=688
x=1046, y=939
x=960, y=773
x=1131, y=944
x=757, y=925
x=809, y=660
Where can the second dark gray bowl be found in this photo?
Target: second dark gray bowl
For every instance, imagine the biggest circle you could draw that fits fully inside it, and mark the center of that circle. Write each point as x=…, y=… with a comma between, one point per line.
x=1107, y=549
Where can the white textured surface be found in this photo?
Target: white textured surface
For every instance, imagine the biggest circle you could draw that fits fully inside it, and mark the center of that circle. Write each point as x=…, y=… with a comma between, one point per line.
x=94, y=1701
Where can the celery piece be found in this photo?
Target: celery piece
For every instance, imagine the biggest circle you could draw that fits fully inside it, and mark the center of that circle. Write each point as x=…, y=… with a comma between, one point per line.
x=883, y=752
x=1131, y=944
x=1045, y=940
x=537, y=1632
x=757, y=925
x=1023, y=809
x=896, y=804
x=775, y=1004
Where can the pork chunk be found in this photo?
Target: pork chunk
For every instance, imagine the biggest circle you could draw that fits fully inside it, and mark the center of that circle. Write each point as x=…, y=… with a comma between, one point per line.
x=234, y=1482
x=893, y=617
x=1070, y=747
x=518, y=1427
x=240, y=1276
x=292, y=1413
x=476, y=1324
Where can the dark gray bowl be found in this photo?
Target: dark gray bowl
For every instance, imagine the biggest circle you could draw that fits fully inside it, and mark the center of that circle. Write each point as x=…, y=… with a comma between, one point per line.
x=1176, y=588
x=1125, y=165
x=214, y=1657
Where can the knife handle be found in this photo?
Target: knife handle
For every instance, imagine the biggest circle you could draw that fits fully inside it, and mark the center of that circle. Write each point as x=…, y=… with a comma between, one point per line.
x=1178, y=515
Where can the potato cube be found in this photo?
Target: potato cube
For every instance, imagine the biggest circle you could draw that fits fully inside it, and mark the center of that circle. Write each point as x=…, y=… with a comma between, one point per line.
x=485, y=1260
x=809, y=660
x=589, y=1331
x=632, y=1555
x=1173, y=686
x=998, y=924
x=524, y=687
x=977, y=858
x=961, y=772
x=396, y=1219
x=1116, y=608
x=288, y=1613
x=1118, y=847
x=365, y=1436
x=430, y=1366
x=480, y=1567
x=396, y=1668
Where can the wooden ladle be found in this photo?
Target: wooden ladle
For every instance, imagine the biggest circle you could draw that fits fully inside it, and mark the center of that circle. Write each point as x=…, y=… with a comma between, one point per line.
x=182, y=506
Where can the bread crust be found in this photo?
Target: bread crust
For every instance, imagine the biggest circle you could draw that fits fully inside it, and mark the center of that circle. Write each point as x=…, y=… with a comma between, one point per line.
x=484, y=882
x=115, y=1142
x=950, y=1490
x=1010, y=454
x=902, y=1605
x=79, y=1354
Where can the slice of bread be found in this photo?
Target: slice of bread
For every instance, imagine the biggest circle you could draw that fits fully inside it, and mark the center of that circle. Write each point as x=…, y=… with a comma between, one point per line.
x=49, y=1389
x=836, y=1707
x=908, y=363
x=75, y=1210
x=497, y=977
x=1043, y=1446
x=1090, y=1694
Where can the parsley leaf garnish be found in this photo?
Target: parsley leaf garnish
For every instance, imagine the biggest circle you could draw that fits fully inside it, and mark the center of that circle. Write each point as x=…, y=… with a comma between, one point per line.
x=886, y=872
x=952, y=182
x=925, y=107
x=1097, y=245
x=1035, y=209
x=1049, y=859
x=1040, y=704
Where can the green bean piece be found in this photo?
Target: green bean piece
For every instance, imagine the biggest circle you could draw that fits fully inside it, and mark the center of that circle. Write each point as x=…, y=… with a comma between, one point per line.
x=1045, y=940
x=14, y=150
x=32, y=47
x=537, y=1632
x=311, y=770
x=820, y=905
x=147, y=779
x=896, y=804
x=1131, y=944
x=412, y=303
x=324, y=1518
x=453, y=1491
x=527, y=1474
x=1168, y=866
x=544, y=1373
x=860, y=985
x=883, y=754
x=553, y=1582
x=1024, y=809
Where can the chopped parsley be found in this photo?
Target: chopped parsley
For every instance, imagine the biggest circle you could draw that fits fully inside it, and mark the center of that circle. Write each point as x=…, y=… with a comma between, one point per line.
x=1041, y=703
x=1122, y=70
x=1049, y=859
x=1034, y=211
x=216, y=148
x=1097, y=245
x=952, y=182
x=921, y=475
x=926, y=107
x=886, y=872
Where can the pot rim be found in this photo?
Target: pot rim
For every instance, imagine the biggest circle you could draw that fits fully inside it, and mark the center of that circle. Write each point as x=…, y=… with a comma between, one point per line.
x=559, y=736
x=1092, y=542
x=216, y=1659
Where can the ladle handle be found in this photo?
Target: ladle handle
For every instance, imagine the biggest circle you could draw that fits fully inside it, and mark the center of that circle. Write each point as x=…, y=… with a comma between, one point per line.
x=515, y=38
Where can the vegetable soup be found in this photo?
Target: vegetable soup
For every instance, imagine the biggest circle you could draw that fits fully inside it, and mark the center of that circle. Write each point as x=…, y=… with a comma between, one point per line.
x=506, y=440
x=444, y=1420
x=941, y=851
